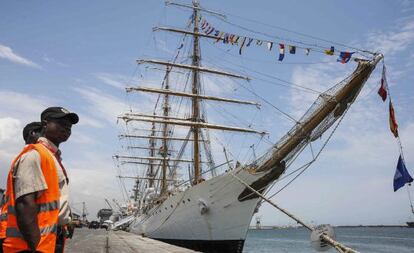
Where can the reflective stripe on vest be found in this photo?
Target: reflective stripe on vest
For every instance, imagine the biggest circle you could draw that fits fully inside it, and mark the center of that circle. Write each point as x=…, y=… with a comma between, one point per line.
x=43, y=207
x=15, y=233
x=3, y=215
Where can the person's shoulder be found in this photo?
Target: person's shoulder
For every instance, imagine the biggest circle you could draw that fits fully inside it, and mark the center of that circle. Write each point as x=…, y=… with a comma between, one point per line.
x=31, y=155
x=27, y=160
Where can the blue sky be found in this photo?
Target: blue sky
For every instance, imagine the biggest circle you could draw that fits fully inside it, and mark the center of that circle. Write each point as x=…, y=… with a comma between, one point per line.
x=81, y=55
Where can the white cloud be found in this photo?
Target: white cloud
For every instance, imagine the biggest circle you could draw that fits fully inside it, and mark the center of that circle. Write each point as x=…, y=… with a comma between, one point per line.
x=163, y=46
x=88, y=120
x=394, y=41
x=117, y=81
x=407, y=6
x=11, y=141
x=81, y=138
x=8, y=54
x=11, y=103
x=216, y=85
x=52, y=60
x=102, y=105
x=8, y=128
x=92, y=185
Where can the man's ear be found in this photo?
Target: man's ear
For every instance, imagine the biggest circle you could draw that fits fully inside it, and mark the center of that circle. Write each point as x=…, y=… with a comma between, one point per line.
x=42, y=131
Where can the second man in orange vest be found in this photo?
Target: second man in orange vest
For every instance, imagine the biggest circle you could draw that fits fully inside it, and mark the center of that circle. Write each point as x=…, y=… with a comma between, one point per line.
x=31, y=132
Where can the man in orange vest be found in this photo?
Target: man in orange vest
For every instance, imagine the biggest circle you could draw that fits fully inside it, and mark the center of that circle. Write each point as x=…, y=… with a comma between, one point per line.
x=37, y=189
x=31, y=132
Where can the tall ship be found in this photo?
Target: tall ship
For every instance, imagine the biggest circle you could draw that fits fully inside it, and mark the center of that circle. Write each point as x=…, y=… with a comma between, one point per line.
x=182, y=195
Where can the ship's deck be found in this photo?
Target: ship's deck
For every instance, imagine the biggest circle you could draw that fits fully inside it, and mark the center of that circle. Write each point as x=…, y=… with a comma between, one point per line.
x=102, y=241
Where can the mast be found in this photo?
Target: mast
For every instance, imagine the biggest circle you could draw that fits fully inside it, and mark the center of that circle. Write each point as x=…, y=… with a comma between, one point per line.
x=135, y=190
x=195, y=121
x=152, y=153
x=195, y=90
x=164, y=149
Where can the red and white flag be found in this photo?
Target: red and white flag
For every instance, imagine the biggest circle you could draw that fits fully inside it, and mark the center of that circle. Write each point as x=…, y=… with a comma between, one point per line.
x=384, y=86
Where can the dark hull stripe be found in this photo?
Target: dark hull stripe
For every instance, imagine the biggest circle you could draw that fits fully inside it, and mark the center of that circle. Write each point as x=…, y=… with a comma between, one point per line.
x=224, y=246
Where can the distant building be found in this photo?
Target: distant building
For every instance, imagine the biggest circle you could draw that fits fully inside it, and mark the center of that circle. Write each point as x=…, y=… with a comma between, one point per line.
x=104, y=214
x=75, y=216
x=258, y=224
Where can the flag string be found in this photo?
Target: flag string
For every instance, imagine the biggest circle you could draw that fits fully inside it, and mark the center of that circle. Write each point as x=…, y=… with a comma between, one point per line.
x=402, y=176
x=384, y=80
x=246, y=41
x=297, y=33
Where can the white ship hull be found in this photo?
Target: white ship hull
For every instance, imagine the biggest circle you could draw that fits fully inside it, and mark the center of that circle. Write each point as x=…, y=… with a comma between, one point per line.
x=222, y=228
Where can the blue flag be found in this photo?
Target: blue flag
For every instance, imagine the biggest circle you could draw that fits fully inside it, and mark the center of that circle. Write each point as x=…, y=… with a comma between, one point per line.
x=401, y=176
x=344, y=57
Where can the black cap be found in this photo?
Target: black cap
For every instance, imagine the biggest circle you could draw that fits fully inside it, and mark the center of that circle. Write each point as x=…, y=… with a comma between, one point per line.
x=34, y=126
x=58, y=113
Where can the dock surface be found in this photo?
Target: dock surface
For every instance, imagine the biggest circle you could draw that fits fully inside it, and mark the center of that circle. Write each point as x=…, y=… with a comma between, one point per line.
x=102, y=241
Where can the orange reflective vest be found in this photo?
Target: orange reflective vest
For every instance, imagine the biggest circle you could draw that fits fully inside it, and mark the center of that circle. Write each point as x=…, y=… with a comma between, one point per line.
x=3, y=217
x=48, y=206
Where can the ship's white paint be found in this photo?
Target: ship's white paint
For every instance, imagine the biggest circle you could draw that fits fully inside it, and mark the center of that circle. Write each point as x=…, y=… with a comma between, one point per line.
x=180, y=216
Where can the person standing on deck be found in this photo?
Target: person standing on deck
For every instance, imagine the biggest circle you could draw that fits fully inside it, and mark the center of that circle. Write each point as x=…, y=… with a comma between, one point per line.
x=31, y=132
x=37, y=189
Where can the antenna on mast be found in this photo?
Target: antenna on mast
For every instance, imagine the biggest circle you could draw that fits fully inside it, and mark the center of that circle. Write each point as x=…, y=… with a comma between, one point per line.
x=196, y=6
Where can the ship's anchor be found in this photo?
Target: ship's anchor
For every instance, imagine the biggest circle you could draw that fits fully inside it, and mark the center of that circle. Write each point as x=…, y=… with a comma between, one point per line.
x=203, y=206
x=322, y=236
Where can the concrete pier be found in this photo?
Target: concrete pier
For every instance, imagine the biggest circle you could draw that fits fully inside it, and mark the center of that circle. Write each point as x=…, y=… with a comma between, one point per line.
x=101, y=241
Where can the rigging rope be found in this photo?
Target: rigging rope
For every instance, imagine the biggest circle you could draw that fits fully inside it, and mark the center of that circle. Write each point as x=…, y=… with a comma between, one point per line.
x=267, y=102
x=338, y=246
x=287, y=83
x=293, y=85
x=317, y=155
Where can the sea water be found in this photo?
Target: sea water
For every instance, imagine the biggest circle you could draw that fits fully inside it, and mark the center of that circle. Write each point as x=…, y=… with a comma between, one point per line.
x=362, y=239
